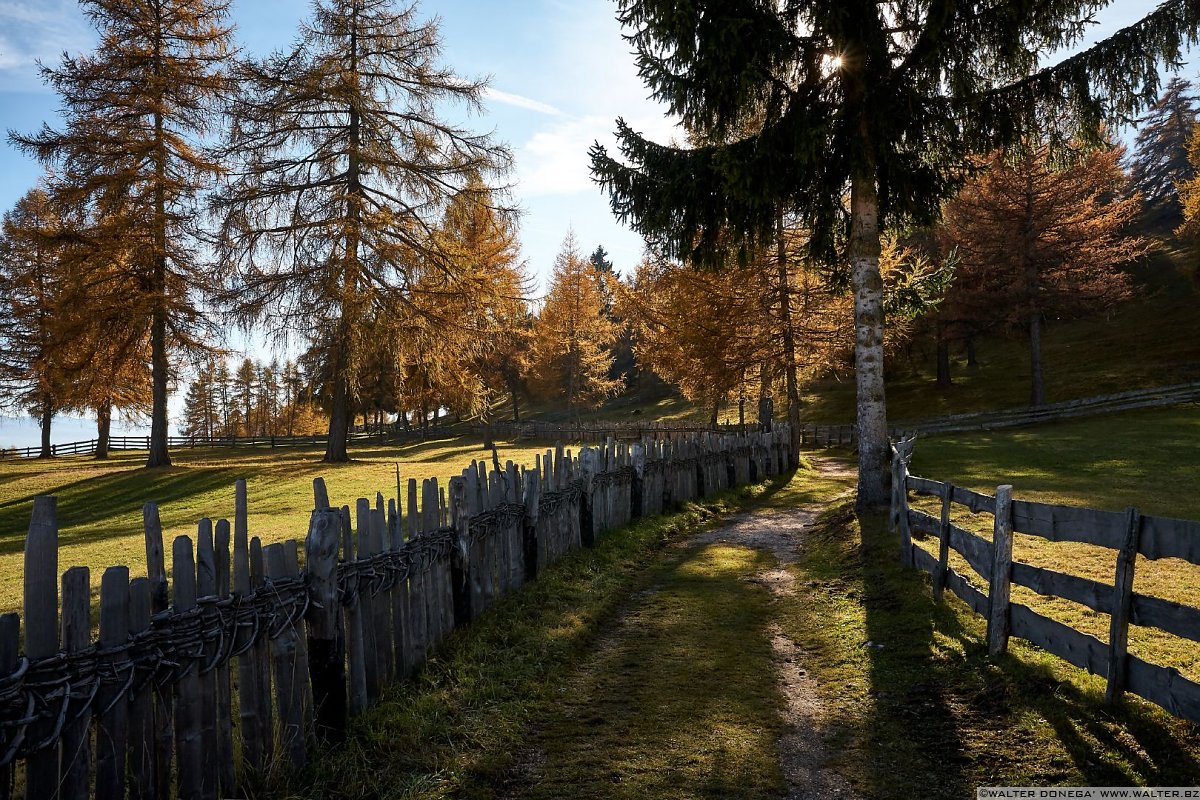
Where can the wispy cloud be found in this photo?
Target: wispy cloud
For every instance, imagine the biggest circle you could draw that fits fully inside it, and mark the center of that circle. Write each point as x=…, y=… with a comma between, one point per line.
x=521, y=101
x=41, y=30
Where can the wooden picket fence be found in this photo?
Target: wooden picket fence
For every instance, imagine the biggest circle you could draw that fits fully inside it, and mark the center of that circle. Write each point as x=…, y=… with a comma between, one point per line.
x=1130, y=534
x=247, y=659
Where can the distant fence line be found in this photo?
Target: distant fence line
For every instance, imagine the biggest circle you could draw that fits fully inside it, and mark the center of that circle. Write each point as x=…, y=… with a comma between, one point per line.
x=1129, y=533
x=146, y=708
x=87, y=447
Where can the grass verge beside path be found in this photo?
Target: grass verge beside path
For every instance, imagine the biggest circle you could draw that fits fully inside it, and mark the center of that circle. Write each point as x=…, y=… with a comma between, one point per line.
x=462, y=728
x=917, y=709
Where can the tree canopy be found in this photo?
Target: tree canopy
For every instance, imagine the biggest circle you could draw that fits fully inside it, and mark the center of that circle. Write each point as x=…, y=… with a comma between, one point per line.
x=796, y=103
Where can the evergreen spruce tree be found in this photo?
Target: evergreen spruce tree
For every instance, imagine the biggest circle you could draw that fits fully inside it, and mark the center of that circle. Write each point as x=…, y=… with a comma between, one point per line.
x=343, y=169
x=134, y=113
x=798, y=103
x=1160, y=155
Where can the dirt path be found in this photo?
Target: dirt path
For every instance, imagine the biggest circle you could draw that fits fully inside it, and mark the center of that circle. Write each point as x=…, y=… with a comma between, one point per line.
x=802, y=754
x=678, y=697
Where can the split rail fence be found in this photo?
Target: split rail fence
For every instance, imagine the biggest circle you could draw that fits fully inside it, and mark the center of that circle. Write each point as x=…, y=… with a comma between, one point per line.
x=146, y=709
x=1130, y=534
x=87, y=447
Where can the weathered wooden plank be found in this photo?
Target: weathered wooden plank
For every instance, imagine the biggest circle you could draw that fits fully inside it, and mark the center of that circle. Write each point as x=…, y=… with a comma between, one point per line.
x=41, y=631
x=1163, y=537
x=921, y=522
x=141, y=703
x=76, y=637
x=385, y=656
x=189, y=741
x=356, y=660
x=206, y=586
x=923, y=559
x=1001, y=579
x=112, y=729
x=977, y=502
x=248, y=680
x=967, y=592
x=289, y=696
x=156, y=573
x=325, y=651
x=1081, y=649
x=266, y=714
x=1118, y=632
x=1050, y=583
x=1164, y=687
x=226, y=774
x=1176, y=618
x=1069, y=523
x=975, y=549
x=925, y=486
x=939, y=575
x=10, y=654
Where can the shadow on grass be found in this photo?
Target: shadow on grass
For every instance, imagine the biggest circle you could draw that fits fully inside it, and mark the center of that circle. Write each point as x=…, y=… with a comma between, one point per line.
x=937, y=717
x=93, y=502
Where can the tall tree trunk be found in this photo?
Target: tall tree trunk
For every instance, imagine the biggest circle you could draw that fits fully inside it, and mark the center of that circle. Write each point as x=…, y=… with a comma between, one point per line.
x=103, y=428
x=742, y=411
x=47, y=450
x=943, y=359
x=340, y=418
x=863, y=250
x=716, y=413
x=789, y=344
x=516, y=408
x=1037, y=386
x=764, y=398
x=159, y=366
x=972, y=357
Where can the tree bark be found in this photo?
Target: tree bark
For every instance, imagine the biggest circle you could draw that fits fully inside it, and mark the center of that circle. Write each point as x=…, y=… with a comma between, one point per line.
x=789, y=345
x=47, y=450
x=159, y=367
x=716, y=413
x=1037, y=386
x=516, y=408
x=340, y=417
x=943, y=359
x=863, y=250
x=103, y=428
x=972, y=358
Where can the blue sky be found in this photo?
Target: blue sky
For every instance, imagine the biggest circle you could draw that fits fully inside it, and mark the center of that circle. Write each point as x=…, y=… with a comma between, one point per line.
x=560, y=75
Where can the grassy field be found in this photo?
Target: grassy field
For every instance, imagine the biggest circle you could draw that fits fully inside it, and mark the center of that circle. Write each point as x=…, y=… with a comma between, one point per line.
x=1146, y=459
x=100, y=502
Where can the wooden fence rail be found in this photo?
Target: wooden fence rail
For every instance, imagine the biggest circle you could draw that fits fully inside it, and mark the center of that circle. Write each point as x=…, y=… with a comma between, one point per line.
x=1130, y=534
x=247, y=659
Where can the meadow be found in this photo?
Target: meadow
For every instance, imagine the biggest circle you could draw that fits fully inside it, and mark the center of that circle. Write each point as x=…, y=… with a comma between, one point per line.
x=100, y=502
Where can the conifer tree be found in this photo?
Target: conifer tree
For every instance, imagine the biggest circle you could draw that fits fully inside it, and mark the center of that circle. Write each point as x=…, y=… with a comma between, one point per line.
x=1160, y=153
x=32, y=287
x=572, y=335
x=343, y=170
x=134, y=112
x=886, y=98
x=1037, y=242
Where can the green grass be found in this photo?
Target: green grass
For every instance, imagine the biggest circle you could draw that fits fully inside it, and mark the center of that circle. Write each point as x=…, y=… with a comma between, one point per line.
x=914, y=706
x=1148, y=341
x=1145, y=458
x=100, y=502
x=687, y=691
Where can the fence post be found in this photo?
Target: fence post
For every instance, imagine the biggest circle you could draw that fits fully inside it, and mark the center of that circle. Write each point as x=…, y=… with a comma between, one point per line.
x=289, y=695
x=41, y=631
x=939, y=575
x=112, y=732
x=1118, y=637
x=460, y=570
x=76, y=636
x=163, y=702
x=1001, y=586
x=326, y=656
x=906, y=545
